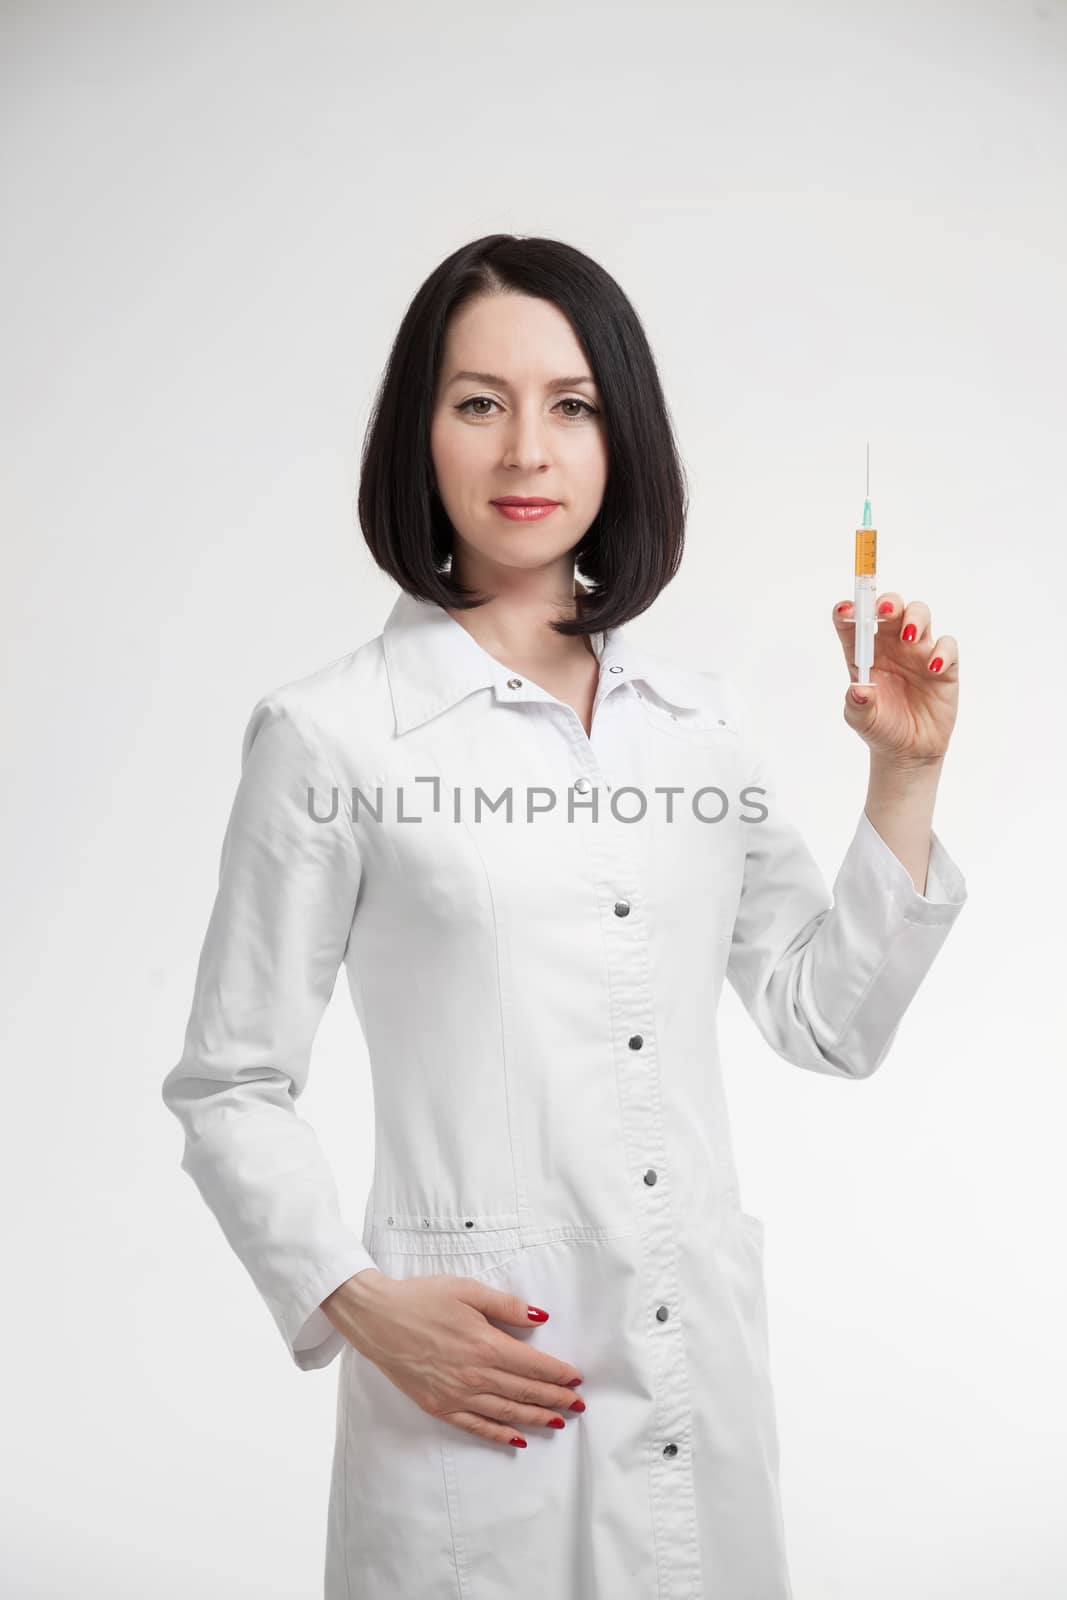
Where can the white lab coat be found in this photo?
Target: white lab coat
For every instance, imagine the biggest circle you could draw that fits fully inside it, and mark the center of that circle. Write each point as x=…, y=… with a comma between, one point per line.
x=538, y=994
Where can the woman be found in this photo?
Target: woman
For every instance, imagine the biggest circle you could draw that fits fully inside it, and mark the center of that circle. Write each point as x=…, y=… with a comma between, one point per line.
x=538, y=850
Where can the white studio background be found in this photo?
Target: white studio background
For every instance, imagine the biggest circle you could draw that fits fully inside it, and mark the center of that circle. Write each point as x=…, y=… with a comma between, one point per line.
x=839, y=223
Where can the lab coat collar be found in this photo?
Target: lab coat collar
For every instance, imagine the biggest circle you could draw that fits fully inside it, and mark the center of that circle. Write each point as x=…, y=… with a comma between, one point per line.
x=433, y=663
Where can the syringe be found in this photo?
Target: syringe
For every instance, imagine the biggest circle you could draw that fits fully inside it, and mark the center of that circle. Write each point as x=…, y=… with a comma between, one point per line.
x=866, y=590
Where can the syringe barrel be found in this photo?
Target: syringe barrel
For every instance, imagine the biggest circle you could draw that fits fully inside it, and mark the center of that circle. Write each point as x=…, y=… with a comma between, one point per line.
x=866, y=594
x=866, y=552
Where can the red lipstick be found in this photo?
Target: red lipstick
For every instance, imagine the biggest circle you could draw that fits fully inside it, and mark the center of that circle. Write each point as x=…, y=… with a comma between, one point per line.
x=524, y=508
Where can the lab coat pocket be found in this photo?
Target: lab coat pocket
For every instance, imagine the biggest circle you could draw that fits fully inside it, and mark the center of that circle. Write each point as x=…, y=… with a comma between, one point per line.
x=695, y=851
x=387, y=1473
x=389, y=1452
x=485, y=1265
x=709, y=725
x=432, y=1248
x=754, y=1226
x=747, y=1256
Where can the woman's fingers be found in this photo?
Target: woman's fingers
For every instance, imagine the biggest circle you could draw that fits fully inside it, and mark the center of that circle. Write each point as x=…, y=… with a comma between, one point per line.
x=943, y=656
x=507, y=1403
x=499, y=1408
x=888, y=606
x=469, y=1422
x=913, y=622
x=900, y=627
x=530, y=1391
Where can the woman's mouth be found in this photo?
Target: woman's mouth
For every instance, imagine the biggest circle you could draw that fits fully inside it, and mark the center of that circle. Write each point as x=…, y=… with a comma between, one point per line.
x=516, y=509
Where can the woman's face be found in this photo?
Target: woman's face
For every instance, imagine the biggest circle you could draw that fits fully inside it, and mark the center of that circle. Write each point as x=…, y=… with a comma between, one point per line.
x=504, y=425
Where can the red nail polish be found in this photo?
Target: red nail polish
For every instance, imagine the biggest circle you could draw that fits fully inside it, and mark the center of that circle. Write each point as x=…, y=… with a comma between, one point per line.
x=936, y=664
x=845, y=605
x=557, y=1422
x=885, y=609
x=577, y=1405
x=520, y=1442
x=860, y=699
x=535, y=1314
x=909, y=633
x=573, y=1383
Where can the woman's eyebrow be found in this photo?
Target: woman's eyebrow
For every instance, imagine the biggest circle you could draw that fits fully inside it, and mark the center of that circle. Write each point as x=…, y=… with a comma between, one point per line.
x=502, y=383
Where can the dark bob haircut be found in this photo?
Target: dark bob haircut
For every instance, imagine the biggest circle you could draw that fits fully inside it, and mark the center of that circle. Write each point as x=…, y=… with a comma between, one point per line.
x=633, y=547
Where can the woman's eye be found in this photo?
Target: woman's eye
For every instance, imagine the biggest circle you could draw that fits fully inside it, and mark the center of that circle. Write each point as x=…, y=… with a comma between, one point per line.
x=586, y=407
x=570, y=400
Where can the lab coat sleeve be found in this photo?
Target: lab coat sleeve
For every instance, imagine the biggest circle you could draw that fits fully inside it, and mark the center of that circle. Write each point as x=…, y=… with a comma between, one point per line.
x=275, y=940
x=827, y=979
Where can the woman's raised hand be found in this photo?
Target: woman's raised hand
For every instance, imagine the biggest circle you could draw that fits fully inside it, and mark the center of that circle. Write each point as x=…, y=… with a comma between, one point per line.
x=431, y=1337
x=907, y=714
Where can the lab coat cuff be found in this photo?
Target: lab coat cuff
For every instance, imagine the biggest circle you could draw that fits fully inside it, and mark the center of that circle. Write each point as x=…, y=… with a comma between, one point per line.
x=311, y=1337
x=900, y=932
x=946, y=888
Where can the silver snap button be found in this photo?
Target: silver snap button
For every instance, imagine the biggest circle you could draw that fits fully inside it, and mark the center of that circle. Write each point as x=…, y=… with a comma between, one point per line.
x=468, y=1224
x=582, y=785
x=622, y=908
x=614, y=669
x=670, y=1449
x=722, y=722
x=637, y=1041
x=650, y=1176
x=514, y=683
x=662, y=1313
